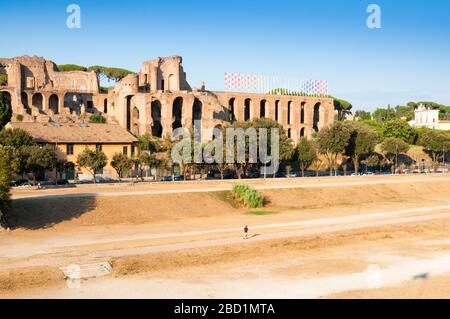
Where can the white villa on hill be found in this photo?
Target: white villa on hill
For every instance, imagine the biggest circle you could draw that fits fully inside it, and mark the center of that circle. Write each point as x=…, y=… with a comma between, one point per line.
x=428, y=117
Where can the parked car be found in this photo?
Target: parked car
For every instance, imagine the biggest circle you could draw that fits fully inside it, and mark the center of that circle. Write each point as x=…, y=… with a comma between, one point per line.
x=46, y=183
x=166, y=179
x=63, y=182
x=19, y=182
x=293, y=174
x=179, y=178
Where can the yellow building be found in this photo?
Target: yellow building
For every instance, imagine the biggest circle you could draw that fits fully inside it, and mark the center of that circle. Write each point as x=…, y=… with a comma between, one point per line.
x=70, y=139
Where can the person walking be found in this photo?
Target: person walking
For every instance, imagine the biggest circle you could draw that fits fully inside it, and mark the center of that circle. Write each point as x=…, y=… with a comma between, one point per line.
x=246, y=232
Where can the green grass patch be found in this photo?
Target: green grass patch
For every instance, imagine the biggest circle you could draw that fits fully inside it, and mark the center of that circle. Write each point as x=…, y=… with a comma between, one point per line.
x=261, y=212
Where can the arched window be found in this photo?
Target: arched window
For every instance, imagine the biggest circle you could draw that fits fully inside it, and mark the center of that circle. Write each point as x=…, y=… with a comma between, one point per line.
x=177, y=113
x=302, y=113
x=302, y=132
x=135, y=120
x=53, y=103
x=247, y=109
x=128, y=109
x=262, y=109
x=231, y=116
x=289, y=112
x=157, y=128
x=105, y=106
x=316, y=117
x=277, y=109
x=37, y=100
x=197, y=118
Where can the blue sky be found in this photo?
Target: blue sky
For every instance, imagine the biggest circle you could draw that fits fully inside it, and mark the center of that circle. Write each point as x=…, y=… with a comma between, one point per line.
x=408, y=59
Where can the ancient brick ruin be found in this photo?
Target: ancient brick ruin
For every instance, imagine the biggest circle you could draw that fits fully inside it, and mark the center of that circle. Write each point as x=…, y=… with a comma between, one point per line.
x=158, y=99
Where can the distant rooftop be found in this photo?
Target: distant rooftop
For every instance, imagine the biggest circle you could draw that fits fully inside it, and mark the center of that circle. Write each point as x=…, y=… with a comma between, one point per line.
x=86, y=133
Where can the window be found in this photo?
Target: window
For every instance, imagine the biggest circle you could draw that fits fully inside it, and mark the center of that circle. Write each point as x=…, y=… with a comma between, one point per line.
x=132, y=150
x=69, y=149
x=98, y=147
x=125, y=150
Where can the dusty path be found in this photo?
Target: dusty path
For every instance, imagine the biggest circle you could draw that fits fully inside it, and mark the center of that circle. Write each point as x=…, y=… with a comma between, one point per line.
x=61, y=253
x=317, y=243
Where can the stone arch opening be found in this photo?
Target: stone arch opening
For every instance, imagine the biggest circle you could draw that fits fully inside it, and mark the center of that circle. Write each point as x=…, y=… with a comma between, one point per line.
x=262, y=109
x=24, y=100
x=177, y=113
x=277, y=109
x=37, y=100
x=157, y=128
x=197, y=118
x=128, y=110
x=135, y=119
x=302, y=132
x=231, y=116
x=6, y=95
x=247, y=109
x=302, y=113
x=289, y=133
x=289, y=112
x=316, y=117
x=53, y=103
x=105, y=106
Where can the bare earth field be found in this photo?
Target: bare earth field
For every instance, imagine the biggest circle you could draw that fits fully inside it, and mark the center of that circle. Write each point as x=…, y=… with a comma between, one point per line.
x=357, y=237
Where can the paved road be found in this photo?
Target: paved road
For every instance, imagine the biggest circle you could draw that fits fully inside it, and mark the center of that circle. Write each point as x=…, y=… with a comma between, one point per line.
x=202, y=187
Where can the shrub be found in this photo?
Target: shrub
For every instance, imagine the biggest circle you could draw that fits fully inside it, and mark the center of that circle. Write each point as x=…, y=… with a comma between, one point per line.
x=97, y=118
x=19, y=117
x=247, y=194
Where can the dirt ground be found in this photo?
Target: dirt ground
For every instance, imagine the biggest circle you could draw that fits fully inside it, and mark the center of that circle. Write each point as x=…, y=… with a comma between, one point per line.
x=309, y=241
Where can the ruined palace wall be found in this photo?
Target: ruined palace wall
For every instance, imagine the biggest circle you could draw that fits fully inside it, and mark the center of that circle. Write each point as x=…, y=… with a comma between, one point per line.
x=293, y=122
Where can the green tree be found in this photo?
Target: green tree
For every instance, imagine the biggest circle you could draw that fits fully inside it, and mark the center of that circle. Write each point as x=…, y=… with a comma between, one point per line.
x=332, y=141
x=71, y=67
x=147, y=142
x=404, y=111
x=16, y=142
x=363, y=139
x=400, y=129
x=307, y=154
x=382, y=115
x=5, y=110
x=371, y=161
x=363, y=115
x=342, y=107
x=121, y=163
x=5, y=185
x=437, y=143
x=149, y=160
x=286, y=147
x=110, y=73
x=93, y=161
x=40, y=159
x=392, y=147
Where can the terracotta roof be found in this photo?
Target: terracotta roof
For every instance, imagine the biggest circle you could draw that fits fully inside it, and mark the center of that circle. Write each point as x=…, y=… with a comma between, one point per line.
x=75, y=133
